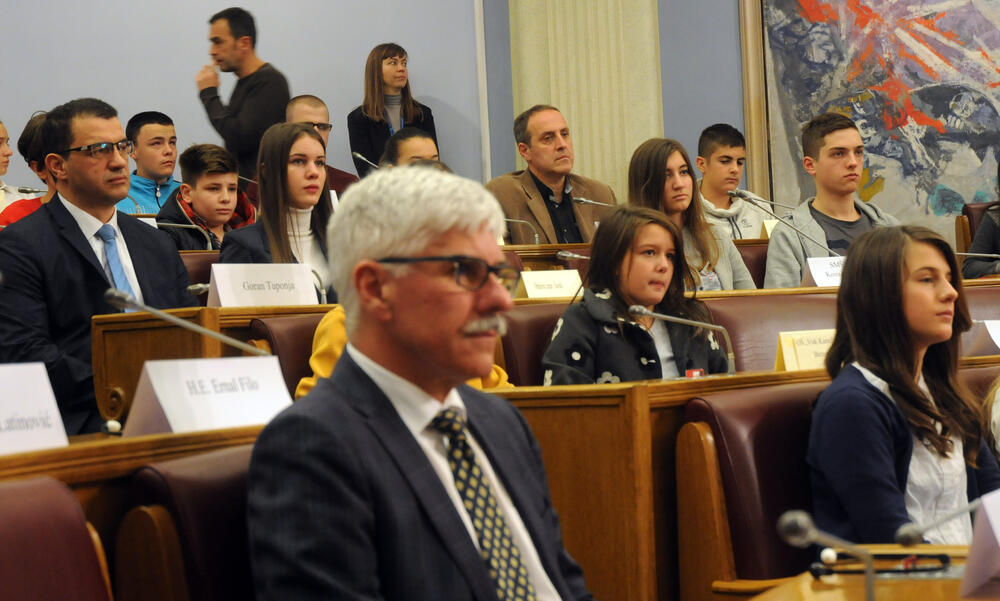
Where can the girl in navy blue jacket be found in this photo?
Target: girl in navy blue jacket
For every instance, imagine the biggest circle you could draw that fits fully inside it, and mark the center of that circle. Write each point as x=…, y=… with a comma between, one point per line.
x=896, y=437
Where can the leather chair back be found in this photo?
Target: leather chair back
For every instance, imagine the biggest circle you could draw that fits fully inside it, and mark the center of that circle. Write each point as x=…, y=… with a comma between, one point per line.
x=984, y=304
x=47, y=552
x=529, y=330
x=199, y=267
x=975, y=211
x=290, y=338
x=204, y=498
x=761, y=436
x=754, y=253
x=755, y=321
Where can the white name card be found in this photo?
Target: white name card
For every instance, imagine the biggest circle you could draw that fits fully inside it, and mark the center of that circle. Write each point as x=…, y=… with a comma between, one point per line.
x=29, y=416
x=826, y=270
x=982, y=569
x=256, y=285
x=766, y=227
x=334, y=201
x=803, y=349
x=554, y=283
x=150, y=221
x=206, y=394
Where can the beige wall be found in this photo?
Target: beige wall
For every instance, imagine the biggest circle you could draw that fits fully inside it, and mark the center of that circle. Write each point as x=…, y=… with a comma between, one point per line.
x=599, y=62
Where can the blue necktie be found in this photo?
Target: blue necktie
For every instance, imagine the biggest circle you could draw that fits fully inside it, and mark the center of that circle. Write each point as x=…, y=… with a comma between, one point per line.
x=107, y=233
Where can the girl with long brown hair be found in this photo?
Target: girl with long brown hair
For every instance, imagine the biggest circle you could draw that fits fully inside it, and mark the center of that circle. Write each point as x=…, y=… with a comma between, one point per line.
x=387, y=108
x=896, y=437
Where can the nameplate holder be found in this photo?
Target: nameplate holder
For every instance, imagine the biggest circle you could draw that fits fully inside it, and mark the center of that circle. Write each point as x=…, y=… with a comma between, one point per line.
x=553, y=283
x=192, y=395
x=825, y=271
x=982, y=568
x=29, y=416
x=766, y=227
x=261, y=284
x=803, y=349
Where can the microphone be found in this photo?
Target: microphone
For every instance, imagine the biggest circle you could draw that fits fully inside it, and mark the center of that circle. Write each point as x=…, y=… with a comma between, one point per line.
x=797, y=529
x=319, y=286
x=27, y=190
x=198, y=289
x=587, y=201
x=247, y=179
x=750, y=197
x=910, y=534
x=186, y=226
x=362, y=158
x=730, y=356
x=983, y=255
x=757, y=203
x=527, y=223
x=565, y=255
x=119, y=299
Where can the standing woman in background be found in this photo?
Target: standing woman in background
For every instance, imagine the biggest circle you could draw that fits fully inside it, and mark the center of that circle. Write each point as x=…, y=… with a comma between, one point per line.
x=660, y=177
x=294, y=205
x=388, y=106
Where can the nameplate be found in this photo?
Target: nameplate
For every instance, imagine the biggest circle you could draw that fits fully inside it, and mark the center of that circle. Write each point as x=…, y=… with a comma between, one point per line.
x=803, y=349
x=256, y=285
x=766, y=227
x=982, y=568
x=191, y=395
x=334, y=201
x=993, y=327
x=150, y=221
x=554, y=283
x=29, y=416
x=826, y=271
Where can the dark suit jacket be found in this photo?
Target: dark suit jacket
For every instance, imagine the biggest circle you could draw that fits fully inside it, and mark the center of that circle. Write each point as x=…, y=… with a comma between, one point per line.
x=250, y=245
x=520, y=199
x=343, y=503
x=53, y=284
x=369, y=137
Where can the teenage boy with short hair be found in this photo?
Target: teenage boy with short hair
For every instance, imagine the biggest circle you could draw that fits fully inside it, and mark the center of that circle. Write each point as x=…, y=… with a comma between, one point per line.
x=722, y=155
x=154, y=150
x=208, y=198
x=833, y=153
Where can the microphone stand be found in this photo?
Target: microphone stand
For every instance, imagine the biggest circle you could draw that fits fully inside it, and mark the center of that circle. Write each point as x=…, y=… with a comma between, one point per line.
x=527, y=223
x=757, y=204
x=730, y=356
x=119, y=299
x=910, y=534
x=362, y=158
x=797, y=529
x=750, y=196
x=565, y=255
x=587, y=201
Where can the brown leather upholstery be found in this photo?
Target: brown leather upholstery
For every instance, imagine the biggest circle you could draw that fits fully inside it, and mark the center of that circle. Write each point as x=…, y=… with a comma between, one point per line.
x=529, y=330
x=46, y=551
x=291, y=339
x=199, y=267
x=761, y=436
x=755, y=321
x=975, y=212
x=204, y=498
x=513, y=259
x=984, y=304
x=754, y=253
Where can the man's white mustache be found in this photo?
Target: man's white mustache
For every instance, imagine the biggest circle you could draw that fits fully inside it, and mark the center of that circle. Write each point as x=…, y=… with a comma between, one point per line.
x=497, y=323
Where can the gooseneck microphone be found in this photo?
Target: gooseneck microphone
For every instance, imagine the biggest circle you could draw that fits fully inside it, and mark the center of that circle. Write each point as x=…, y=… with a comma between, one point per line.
x=534, y=230
x=981, y=255
x=362, y=158
x=751, y=197
x=247, y=179
x=757, y=201
x=27, y=190
x=121, y=300
x=797, y=529
x=198, y=289
x=565, y=255
x=587, y=201
x=730, y=356
x=910, y=534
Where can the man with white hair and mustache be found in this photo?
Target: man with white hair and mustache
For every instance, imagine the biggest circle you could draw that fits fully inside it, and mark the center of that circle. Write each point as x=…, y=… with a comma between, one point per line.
x=391, y=479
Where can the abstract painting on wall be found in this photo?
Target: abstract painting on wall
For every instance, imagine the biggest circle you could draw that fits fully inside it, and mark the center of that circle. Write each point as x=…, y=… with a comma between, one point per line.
x=920, y=78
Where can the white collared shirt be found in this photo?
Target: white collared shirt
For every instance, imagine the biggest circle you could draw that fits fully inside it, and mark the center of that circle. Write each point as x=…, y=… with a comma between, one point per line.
x=89, y=226
x=935, y=485
x=417, y=409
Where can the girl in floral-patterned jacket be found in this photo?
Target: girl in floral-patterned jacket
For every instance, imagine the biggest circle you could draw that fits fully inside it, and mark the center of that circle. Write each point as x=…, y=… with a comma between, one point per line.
x=637, y=258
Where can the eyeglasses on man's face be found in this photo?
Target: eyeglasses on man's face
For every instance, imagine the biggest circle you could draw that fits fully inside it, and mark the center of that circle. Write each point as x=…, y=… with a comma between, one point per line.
x=321, y=126
x=471, y=273
x=102, y=149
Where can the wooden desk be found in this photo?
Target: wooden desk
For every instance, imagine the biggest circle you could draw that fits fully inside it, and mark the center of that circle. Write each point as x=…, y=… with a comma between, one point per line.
x=123, y=342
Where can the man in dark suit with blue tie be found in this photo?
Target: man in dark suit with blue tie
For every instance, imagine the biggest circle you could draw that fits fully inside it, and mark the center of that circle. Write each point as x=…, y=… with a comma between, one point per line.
x=391, y=479
x=58, y=262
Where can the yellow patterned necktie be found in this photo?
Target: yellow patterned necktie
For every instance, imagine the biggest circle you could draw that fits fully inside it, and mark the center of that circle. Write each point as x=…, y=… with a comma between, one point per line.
x=496, y=546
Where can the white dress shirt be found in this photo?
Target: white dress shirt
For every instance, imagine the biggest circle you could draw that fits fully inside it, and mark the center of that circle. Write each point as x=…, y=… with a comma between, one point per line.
x=89, y=226
x=417, y=409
